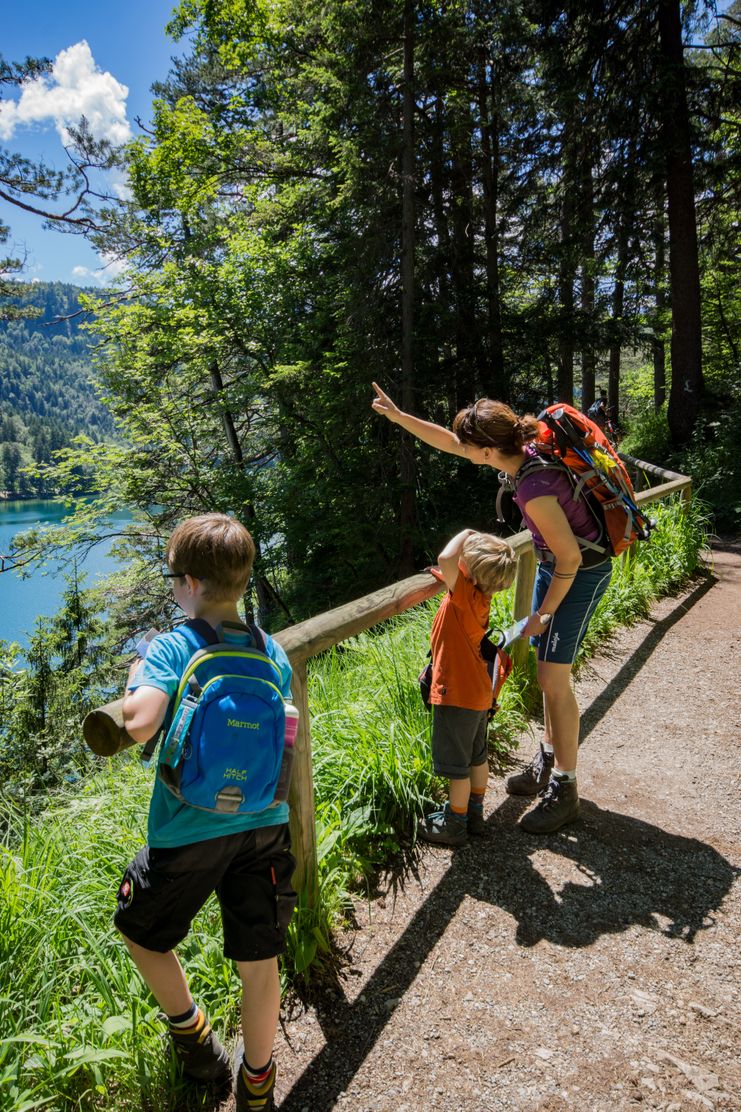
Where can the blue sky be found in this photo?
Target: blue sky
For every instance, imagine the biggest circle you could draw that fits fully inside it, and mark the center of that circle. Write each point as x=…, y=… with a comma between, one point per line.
x=126, y=47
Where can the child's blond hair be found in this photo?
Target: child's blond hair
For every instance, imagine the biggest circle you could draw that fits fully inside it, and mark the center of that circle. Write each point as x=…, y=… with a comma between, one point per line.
x=217, y=549
x=491, y=562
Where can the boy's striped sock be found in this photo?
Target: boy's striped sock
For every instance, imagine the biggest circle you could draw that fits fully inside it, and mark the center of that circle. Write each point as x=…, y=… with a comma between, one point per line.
x=257, y=1086
x=191, y=1018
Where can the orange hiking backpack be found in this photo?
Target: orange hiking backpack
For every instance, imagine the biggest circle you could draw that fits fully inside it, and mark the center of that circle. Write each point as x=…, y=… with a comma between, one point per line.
x=570, y=441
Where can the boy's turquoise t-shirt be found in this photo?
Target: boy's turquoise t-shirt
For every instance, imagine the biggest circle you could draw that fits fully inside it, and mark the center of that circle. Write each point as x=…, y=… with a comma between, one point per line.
x=172, y=823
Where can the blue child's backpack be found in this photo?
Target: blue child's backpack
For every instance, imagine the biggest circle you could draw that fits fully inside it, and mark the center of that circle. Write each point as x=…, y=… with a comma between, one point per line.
x=223, y=746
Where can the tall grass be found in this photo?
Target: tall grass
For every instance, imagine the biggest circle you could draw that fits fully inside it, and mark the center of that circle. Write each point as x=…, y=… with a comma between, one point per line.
x=77, y=1027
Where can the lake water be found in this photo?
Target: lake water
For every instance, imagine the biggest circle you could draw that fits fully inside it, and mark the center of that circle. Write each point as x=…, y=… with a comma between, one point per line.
x=23, y=600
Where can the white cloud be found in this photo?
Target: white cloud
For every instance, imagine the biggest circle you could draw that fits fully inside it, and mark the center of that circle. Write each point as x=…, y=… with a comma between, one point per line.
x=104, y=275
x=75, y=87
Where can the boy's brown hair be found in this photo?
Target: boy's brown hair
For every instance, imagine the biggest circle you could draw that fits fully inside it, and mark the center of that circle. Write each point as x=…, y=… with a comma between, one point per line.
x=216, y=549
x=491, y=562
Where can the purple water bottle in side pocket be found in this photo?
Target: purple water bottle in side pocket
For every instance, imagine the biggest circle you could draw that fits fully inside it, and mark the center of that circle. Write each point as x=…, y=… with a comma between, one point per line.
x=289, y=740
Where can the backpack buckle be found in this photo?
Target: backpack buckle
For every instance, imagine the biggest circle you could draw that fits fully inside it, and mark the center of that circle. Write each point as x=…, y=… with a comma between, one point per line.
x=228, y=800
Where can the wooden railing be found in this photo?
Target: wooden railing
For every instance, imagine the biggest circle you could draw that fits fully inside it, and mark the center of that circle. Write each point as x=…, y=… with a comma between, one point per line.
x=105, y=734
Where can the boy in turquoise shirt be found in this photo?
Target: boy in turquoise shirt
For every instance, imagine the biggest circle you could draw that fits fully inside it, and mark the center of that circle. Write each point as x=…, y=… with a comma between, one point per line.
x=244, y=858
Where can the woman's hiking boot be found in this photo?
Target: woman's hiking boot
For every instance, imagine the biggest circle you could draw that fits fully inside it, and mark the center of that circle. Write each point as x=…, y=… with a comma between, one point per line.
x=444, y=828
x=534, y=778
x=253, y=1096
x=558, y=805
x=200, y=1053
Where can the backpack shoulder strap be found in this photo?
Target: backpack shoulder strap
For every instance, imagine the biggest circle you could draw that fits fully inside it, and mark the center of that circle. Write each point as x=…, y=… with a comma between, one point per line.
x=257, y=635
x=509, y=483
x=198, y=633
x=205, y=633
x=539, y=462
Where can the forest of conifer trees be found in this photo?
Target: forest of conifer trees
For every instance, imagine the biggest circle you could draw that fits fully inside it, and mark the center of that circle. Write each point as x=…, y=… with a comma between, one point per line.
x=46, y=393
x=527, y=200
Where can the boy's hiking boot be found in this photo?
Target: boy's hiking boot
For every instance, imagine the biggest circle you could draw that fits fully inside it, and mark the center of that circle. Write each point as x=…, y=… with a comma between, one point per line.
x=444, y=828
x=559, y=805
x=476, y=824
x=253, y=1096
x=200, y=1053
x=534, y=778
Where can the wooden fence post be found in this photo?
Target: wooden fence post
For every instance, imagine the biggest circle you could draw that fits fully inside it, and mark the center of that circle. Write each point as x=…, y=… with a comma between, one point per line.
x=523, y=600
x=301, y=798
x=686, y=497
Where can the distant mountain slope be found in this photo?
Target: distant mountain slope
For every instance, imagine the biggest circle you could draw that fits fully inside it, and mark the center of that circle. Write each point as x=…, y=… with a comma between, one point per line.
x=46, y=396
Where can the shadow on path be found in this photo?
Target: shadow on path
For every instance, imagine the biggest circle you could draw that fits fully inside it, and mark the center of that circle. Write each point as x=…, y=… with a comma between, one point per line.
x=630, y=872
x=622, y=679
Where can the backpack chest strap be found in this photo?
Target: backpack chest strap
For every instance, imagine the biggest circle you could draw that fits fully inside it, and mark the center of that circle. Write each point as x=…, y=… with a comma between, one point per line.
x=510, y=484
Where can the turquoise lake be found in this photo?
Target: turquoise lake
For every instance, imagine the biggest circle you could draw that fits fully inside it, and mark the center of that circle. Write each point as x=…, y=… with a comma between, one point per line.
x=23, y=600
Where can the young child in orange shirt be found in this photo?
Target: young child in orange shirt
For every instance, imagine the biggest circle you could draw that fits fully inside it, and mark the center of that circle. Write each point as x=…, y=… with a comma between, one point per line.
x=473, y=566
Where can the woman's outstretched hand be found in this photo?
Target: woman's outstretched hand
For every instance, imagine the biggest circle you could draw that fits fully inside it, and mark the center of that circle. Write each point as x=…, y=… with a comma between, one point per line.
x=382, y=404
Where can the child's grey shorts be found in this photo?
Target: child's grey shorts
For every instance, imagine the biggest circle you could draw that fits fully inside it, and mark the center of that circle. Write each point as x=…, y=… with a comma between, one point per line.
x=458, y=740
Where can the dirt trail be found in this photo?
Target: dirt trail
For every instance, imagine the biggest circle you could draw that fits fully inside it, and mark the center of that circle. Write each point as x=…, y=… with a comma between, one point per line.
x=597, y=968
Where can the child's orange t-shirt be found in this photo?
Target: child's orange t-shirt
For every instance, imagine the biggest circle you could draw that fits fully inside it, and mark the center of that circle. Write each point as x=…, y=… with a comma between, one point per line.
x=459, y=675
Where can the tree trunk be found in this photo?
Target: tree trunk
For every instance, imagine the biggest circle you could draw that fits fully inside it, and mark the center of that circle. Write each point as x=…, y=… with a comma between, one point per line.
x=587, y=280
x=497, y=386
x=659, y=352
x=468, y=348
x=548, y=375
x=407, y=511
x=686, y=345
x=442, y=234
x=268, y=600
x=618, y=300
x=618, y=303
x=566, y=270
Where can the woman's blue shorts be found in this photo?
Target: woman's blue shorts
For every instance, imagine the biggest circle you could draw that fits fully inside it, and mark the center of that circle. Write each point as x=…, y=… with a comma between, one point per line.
x=559, y=642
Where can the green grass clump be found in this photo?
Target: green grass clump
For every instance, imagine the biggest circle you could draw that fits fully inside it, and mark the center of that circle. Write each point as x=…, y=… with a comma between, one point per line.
x=77, y=1027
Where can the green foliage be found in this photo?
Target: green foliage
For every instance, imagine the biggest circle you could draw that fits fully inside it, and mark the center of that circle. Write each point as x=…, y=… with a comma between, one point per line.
x=263, y=237
x=46, y=393
x=712, y=457
x=46, y=691
x=74, y=1034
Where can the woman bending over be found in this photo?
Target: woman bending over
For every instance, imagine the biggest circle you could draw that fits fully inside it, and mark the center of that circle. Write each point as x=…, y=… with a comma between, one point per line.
x=568, y=585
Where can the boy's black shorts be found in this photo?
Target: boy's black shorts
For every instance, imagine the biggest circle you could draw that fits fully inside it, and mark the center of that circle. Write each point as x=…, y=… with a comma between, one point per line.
x=163, y=889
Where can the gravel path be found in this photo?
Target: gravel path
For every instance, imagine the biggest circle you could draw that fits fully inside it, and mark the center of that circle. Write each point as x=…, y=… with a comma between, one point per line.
x=597, y=968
